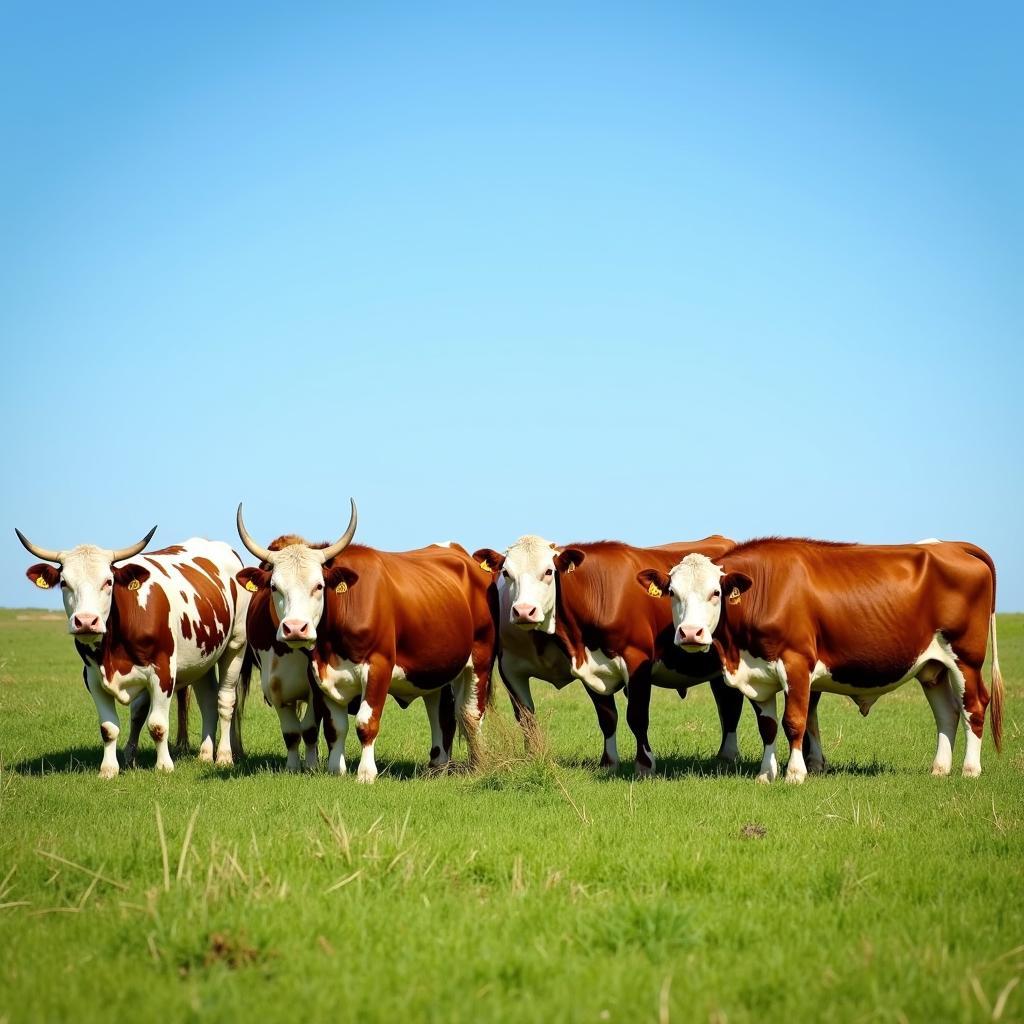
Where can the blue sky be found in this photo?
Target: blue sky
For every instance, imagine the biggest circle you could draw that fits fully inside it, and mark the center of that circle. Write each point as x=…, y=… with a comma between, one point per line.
x=645, y=271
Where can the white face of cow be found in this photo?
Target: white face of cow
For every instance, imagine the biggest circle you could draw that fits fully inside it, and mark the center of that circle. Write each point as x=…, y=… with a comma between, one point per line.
x=297, y=589
x=696, y=592
x=529, y=573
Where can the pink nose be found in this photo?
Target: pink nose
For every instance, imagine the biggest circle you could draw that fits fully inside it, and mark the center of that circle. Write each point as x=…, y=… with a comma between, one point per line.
x=525, y=612
x=295, y=629
x=691, y=636
x=85, y=622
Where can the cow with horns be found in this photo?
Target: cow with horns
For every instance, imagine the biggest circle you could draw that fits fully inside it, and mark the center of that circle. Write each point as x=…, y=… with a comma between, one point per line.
x=374, y=622
x=147, y=626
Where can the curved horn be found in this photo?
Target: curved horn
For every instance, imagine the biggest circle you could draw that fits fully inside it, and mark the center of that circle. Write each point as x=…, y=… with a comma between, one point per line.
x=263, y=554
x=44, y=553
x=130, y=552
x=346, y=538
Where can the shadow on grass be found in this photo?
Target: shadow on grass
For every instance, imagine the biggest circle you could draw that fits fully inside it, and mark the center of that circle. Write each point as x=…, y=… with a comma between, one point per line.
x=679, y=766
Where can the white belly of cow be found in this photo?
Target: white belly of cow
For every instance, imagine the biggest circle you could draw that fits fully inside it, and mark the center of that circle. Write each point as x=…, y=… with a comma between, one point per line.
x=756, y=678
x=285, y=678
x=125, y=688
x=601, y=673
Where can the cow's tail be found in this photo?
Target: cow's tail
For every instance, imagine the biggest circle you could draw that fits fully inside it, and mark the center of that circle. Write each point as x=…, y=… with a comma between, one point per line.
x=998, y=691
x=996, y=705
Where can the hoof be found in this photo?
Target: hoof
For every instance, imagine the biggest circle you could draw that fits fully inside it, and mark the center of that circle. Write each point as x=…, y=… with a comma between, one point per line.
x=817, y=767
x=224, y=759
x=206, y=756
x=643, y=771
x=609, y=765
x=167, y=766
x=108, y=771
x=726, y=765
x=940, y=771
x=129, y=756
x=795, y=778
x=366, y=775
x=972, y=771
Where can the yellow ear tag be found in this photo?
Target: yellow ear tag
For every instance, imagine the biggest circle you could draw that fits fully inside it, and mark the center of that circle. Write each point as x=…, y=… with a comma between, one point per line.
x=572, y=567
x=251, y=587
x=41, y=583
x=654, y=590
x=341, y=588
x=134, y=585
x=485, y=565
x=734, y=595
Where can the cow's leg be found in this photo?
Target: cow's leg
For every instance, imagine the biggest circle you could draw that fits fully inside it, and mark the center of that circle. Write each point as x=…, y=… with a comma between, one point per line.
x=467, y=713
x=439, y=754
x=608, y=721
x=729, y=702
x=161, y=686
x=816, y=763
x=767, y=715
x=310, y=725
x=229, y=669
x=518, y=686
x=946, y=709
x=110, y=729
x=181, y=743
x=975, y=701
x=335, y=732
x=638, y=715
x=206, y=695
x=291, y=732
x=139, y=711
x=378, y=680
x=794, y=715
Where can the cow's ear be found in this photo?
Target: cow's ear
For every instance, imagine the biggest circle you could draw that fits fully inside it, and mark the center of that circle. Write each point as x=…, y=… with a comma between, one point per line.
x=253, y=578
x=340, y=579
x=569, y=560
x=44, y=576
x=131, y=576
x=734, y=584
x=488, y=559
x=654, y=582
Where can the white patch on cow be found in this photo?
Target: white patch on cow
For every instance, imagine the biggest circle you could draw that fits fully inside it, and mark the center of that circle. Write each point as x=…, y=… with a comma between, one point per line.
x=601, y=673
x=341, y=679
x=755, y=678
x=525, y=581
x=696, y=599
x=929, y=540
x=946, y=709
x=796, y=770
x=769, y=770
x=367, y=770
x=297, y=589
x=972, y=759
x=364, y=714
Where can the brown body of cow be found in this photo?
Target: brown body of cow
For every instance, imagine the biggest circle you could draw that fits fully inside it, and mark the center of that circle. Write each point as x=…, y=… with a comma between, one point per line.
x=408, y=623
x=289, y=687
x=610, y=636
x=806, y=616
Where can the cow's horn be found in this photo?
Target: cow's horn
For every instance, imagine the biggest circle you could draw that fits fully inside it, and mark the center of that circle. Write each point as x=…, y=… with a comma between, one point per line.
x=130, y=552
x=44, y=553
x=346, y=538
x=263, y=554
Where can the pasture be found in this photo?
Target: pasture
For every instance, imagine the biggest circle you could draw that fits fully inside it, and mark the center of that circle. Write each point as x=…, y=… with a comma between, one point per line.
x=538, y=889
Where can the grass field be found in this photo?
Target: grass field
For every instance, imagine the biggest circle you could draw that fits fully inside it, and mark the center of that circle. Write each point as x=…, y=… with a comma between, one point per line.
x=537, y=890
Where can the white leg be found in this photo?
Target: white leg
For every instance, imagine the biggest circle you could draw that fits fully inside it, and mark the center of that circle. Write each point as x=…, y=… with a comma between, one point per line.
x=109, y=727
x=367, y=771
x=338, y=714
x=972, y=759
x=206, y=694
x=946, y=709
x=291, y=731
x=768, y=724
x=227, y=674
x=796, y=770
x=438, y=755
x=467, y=714
x=311, y=735
x=159, y=722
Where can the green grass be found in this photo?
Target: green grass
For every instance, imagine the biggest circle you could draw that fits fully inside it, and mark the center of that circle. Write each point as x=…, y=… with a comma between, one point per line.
x=536, y=890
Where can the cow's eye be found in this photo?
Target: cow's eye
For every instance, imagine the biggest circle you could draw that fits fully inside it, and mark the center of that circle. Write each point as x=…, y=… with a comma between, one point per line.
x=273, y=586
x=318, y=588
x=716, y=593
x=548, y=573
x=504, y=572
x=107, y=584
x=64, y=585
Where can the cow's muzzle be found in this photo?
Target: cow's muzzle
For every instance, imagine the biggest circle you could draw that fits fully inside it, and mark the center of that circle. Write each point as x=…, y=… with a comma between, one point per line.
x=86, y=626
x=692, y=638
x=297, y=632
x=526, y=614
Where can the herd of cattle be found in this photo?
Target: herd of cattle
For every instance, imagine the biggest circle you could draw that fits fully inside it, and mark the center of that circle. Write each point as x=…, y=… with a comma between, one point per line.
x=336, y=628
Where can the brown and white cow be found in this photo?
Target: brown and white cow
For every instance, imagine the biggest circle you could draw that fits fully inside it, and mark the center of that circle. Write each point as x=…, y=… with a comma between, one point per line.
x=376, y=622
x=573, y=614
x=151, y=625
x=804, y=617
x=286, y=673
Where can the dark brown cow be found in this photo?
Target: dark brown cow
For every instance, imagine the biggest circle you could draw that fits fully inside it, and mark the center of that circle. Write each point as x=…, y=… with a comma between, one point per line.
x=573, y=614
x=805, y=616
x=288, y=686
x=151, y=626
x=409, y=623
